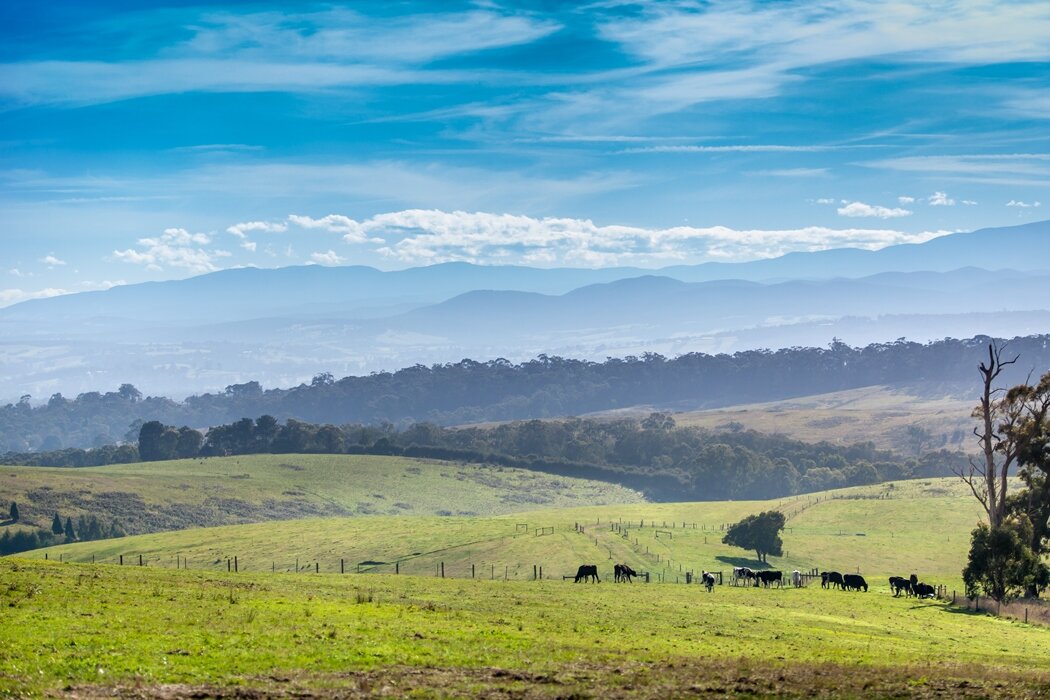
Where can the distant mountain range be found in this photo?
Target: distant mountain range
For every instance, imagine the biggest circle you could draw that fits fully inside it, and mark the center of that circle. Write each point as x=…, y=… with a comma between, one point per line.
x=282, y=326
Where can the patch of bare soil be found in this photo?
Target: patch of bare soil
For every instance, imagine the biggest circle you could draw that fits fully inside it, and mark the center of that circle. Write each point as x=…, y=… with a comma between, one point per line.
x=688, y=678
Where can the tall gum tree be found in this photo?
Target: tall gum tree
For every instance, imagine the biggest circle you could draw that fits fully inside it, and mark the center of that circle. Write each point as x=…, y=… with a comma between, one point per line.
x=998, y=421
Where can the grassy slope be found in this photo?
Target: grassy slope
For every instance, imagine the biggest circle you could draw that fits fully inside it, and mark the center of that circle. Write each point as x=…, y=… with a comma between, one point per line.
x=155, y=496
x=877, y=414
x=914, y=526
x=73, y=628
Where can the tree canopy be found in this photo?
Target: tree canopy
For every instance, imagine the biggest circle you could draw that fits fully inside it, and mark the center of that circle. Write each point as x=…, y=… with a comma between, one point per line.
x=758, y=532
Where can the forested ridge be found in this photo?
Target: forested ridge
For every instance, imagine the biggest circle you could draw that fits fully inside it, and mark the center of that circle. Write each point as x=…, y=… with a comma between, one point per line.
x=470, y=392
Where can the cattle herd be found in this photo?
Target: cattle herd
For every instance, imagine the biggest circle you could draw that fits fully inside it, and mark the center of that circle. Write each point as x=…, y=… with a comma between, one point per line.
x=742, y=575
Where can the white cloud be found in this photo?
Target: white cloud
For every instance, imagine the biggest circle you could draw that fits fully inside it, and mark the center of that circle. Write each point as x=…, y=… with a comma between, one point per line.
x=940, y=199
x=334, y=223
x=1023, y=205
x=860, y=209
x=421, y=236
x=51, y=261
x=329, y=257
x=969, y=202
x=904, y=199
x=250, y=246
x=242, y=230
x=177, y=248
x=825, y=200
x=13, y=296
x=18, y=273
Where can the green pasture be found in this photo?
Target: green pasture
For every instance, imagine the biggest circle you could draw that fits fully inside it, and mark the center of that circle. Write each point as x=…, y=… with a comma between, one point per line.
x=156, y=496
x=86, y=631
x=899, y=528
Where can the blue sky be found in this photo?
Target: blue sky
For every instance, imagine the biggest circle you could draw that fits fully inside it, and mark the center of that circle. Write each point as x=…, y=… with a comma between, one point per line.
x=160, y=140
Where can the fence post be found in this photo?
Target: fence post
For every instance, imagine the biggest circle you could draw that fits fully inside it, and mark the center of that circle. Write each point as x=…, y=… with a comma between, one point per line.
x=342, y=568
x=228, y=569
x=140, y=560
x=297, y=565
x=1026, y=616
x=442, y=569
x=45, y=556
x=541, y=573
x=534, y=577
x=397, y=567
x=472, y=571
x=234, y=563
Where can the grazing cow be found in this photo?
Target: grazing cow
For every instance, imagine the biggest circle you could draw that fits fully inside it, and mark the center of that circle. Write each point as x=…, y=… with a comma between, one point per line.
x=623, y=573
x=924, y=590
x=898, y=584
x=830, y=579
x=768, y=578
x=709, y=580
x=587, y=571
x=742, y=573
x=796, y=578
x=854, y=582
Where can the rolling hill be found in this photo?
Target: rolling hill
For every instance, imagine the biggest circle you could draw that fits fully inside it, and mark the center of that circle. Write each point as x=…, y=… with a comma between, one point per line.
x=154, y=496
x=880, y=530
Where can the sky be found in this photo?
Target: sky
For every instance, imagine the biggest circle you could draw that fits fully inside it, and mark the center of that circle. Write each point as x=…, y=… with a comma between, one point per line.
x=160, y=140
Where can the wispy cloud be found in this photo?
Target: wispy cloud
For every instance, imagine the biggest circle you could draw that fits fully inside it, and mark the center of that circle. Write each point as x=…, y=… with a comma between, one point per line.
x=294, y=52
x=860, y=209
x=1023, y=205
x=13, y=296
x=734, y=148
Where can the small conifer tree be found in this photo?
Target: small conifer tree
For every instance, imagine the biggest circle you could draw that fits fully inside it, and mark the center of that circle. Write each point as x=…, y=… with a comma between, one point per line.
x=56, y=525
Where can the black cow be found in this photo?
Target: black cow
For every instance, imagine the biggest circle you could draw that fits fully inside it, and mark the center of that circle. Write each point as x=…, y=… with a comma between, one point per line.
x=898, y=584
x=830, y=579
x=587, y=571
x=623, y=573
x=924, y=590
x=854, y=582
x=709, y=580
x=768, y=578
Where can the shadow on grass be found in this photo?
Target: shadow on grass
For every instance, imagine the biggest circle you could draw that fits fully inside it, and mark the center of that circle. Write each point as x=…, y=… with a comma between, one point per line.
x=742, y=561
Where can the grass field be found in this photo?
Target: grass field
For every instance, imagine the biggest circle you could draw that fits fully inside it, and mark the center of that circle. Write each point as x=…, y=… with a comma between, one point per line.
x=877, y=414
x=919, y=526
x=92, y=631
x=157, y=496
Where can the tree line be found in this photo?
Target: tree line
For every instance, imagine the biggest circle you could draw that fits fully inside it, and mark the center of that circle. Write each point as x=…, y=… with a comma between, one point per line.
x=497, y=390
x=653, y=455
x=84, y=529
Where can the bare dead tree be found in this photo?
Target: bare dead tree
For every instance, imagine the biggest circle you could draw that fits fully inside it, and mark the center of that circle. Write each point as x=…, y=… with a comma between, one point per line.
x=997, y=426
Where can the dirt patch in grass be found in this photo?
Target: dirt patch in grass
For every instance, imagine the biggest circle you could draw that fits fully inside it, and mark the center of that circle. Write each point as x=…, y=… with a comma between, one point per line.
x=688, y=678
